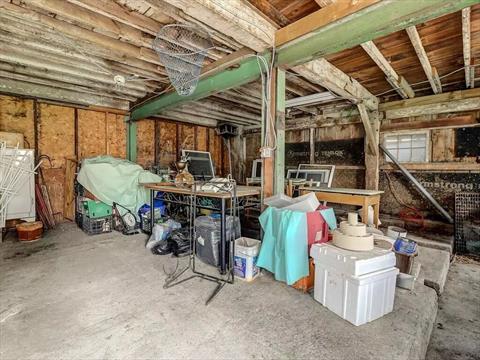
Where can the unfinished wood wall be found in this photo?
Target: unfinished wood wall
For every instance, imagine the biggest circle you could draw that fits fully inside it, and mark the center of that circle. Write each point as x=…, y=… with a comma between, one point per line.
x=346, y=173
x=161, y=142
x=443, y=175
x=61, y=133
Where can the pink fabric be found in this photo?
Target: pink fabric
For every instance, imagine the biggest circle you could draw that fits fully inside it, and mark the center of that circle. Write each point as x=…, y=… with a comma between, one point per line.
x=317, y=229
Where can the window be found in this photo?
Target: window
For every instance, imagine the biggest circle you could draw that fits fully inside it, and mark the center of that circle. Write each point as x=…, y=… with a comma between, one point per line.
x=408, y=147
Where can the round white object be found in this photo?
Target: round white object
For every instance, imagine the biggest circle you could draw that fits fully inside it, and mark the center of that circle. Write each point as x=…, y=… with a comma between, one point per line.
x=353, y=230
x=353, y=243
x=353, y=218
x=395, y=232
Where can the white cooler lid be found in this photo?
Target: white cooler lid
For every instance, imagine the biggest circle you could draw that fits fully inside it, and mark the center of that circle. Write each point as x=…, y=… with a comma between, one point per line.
x=353, y=263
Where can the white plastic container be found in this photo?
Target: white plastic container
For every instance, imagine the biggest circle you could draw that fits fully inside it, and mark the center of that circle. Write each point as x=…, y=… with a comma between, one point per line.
x=246, y=255
x=304, y=203
x=278, y=201
x=360, y=289
x=353, y=263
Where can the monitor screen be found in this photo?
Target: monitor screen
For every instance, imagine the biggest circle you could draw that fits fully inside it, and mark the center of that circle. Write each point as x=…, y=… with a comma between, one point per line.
x=257, y=168
x=199, y=164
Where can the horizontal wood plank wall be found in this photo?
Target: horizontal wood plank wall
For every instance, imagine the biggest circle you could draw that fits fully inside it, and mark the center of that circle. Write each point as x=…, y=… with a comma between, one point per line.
x=443, y=175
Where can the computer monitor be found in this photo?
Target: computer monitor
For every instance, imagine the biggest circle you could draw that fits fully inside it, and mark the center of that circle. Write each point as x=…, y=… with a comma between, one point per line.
x=257, y=168
x=200, y=164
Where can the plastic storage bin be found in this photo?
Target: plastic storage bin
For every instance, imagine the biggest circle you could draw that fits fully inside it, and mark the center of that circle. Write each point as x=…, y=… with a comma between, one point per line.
x=207, y=239
x=246, y=255
x=96, y=209
x=357, y=286
x=97, y=226
x=144, y=214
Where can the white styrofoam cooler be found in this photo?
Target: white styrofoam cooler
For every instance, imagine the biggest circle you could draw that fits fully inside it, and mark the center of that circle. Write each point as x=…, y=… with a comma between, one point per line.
x=304, y=203
x=358, y=286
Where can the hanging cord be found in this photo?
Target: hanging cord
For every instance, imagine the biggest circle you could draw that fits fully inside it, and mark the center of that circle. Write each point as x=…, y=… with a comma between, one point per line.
x=426, y=81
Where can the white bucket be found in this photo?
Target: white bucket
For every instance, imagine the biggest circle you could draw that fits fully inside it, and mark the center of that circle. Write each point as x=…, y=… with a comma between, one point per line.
x=395, y=232
x=246, y=254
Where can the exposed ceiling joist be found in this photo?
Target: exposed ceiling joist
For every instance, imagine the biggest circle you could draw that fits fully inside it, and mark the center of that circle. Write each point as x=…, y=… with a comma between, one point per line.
x=63, y=85
x=187, y=118
x=467, y=50
x=457, y=101
x=398, y=83
x=323, y=3
x=233, y=17
x=77, y=32
x=27, y=57
x=325, y=74
x=266, y=7
x=376, y=19
x=429, y=70
x=51, y=93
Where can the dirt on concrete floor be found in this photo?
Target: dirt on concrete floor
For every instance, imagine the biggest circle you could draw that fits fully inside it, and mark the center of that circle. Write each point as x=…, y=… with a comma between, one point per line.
x=456, y=334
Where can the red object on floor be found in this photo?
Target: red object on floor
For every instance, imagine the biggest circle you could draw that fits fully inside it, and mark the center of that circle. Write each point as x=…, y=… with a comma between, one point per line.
x=317, y=229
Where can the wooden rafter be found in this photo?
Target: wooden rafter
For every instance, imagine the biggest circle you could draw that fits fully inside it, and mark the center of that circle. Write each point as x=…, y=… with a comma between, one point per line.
x=430, y=71
x=369, y=132
x=270, y=11
x=398, y=82
x=467, y=51
x=325, y=74
x=323, y=3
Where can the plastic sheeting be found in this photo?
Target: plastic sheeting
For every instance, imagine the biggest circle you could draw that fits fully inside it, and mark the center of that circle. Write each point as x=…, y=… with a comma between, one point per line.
x=284, y=250
x=116, y=180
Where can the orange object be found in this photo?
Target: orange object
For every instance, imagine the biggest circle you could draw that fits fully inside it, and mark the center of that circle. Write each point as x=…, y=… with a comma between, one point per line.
x=30, y=231
x=306, y=283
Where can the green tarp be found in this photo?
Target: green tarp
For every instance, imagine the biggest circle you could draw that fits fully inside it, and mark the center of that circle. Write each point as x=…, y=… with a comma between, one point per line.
x=116, y=180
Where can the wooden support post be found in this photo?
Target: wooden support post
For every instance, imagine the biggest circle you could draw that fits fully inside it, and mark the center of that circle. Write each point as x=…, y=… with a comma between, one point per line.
x=370, y=137
x=274, y=167
x=312, y=145
x=131, y=139
x=279, y=182
x=372, y=160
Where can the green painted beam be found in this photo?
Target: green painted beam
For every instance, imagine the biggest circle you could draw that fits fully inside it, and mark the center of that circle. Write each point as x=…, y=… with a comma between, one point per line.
x=247, y=71
x=383, y=18
x=279, y=181
x=131, y=139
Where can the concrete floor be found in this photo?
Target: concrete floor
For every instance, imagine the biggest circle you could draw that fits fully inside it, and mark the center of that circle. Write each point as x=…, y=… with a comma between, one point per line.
x=456, y=334
x=72, y=296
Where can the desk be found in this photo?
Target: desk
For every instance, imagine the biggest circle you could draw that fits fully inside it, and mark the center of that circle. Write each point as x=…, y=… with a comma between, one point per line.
x=188, y=197
x=357, y=197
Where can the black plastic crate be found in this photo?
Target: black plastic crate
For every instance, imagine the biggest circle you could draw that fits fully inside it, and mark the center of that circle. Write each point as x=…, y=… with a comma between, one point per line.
x=467, y=223
x=97, y=226
x=79, y=219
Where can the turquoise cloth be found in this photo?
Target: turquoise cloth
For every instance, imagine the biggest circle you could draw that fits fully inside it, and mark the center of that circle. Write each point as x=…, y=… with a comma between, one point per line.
x=284, y=250
x=329, y=217
x=116, y=180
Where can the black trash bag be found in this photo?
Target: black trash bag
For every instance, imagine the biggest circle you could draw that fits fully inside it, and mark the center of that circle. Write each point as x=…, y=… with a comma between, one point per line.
x=162, y=248
x=179, y=241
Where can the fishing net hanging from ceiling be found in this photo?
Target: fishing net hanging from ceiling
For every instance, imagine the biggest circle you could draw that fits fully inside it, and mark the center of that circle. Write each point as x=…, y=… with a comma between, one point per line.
x=182, y=49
